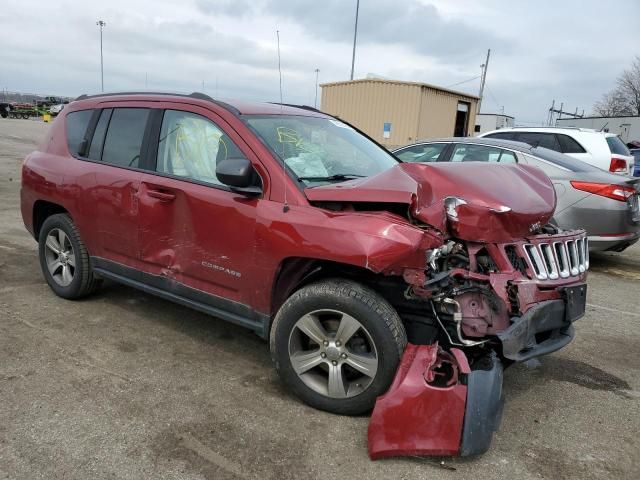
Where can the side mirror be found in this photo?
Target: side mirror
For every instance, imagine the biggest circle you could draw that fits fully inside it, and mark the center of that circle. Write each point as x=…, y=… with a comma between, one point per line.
x=239, y=174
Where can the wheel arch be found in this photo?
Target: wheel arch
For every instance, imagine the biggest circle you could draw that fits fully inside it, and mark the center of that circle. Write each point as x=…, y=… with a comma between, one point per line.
x=42, y=210
x=294, y=273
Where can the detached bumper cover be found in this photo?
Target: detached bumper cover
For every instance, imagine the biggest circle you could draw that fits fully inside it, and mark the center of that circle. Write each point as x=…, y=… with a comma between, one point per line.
x=545, y=328
x=437, y=406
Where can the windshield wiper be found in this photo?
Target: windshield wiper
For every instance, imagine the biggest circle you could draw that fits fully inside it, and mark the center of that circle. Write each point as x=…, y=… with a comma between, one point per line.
x=338, y=177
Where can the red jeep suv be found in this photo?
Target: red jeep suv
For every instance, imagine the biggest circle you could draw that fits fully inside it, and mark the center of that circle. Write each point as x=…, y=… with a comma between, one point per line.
x=299, y=227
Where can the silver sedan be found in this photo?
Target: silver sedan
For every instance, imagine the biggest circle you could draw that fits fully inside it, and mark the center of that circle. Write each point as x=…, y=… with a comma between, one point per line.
x=605, y=205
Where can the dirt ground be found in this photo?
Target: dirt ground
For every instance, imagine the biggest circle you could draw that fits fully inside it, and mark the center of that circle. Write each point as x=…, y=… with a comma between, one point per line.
x=124, y=385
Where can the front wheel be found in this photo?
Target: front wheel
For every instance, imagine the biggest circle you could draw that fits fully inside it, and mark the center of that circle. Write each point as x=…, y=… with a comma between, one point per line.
x=337, y=344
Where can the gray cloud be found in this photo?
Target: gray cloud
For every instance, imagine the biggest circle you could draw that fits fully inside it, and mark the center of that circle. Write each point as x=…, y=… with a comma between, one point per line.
x=402, y=22
x=539, y=52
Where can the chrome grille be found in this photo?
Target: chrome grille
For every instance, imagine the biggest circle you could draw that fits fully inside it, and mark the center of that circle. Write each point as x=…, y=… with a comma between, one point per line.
x=550, y=261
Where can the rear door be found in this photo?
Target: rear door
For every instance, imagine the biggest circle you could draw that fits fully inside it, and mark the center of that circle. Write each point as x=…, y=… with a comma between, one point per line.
x=113, y=162
x=196, y=236
x=118, y=180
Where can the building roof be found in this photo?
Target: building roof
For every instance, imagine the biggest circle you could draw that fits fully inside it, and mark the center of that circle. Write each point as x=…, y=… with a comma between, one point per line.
x=596, y=117
x=399, y=82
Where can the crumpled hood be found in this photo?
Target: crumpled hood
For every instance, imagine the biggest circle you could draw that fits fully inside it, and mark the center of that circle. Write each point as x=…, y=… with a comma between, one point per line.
x=503, y=202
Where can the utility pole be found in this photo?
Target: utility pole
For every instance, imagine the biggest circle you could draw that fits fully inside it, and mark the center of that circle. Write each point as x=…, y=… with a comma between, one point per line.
x=484, y=67
x=101, y=24
x=315, y=103
x=355, y=36
x=552, y=119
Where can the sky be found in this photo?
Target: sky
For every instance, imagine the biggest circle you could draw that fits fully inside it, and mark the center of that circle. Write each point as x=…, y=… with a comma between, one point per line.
x=569, y=50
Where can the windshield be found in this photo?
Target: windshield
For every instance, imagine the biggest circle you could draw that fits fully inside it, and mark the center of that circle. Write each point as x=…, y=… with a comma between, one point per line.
x=321, y=150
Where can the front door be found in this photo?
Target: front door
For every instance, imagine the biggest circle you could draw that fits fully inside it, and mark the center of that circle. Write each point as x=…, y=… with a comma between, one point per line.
x=196, y=235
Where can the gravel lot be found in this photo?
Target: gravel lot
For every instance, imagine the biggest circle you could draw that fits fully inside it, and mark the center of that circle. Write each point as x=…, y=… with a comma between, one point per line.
x=124, y=385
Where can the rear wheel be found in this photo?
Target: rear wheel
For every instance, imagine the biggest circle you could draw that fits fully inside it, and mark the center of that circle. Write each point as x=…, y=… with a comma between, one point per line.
x=337, y=344
x=64, y=258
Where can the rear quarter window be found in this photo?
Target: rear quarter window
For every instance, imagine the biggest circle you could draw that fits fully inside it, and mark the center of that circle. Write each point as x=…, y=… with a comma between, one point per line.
x=569, y=145
x=617, y=146
x=502, y=135
x=77, y=124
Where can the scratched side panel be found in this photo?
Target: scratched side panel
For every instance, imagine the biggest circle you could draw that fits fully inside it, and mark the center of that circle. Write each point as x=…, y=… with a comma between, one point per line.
x=203, y=238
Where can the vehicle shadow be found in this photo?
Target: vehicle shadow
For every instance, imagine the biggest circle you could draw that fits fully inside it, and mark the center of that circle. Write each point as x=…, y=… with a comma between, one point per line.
x=600, y=261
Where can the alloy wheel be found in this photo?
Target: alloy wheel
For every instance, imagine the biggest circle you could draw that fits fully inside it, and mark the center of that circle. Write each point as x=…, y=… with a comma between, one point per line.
x=60, y=257
x=333, y=354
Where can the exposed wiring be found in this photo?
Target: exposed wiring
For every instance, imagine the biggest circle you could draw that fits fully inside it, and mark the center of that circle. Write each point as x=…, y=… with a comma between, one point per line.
x=464, y=81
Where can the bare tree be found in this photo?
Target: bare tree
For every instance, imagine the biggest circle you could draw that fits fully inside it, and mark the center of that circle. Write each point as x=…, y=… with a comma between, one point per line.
x=624, y=99
x=629, y=86
x=612, y=104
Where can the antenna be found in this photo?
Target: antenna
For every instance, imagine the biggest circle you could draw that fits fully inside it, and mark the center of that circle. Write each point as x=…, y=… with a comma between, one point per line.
x=285, y=208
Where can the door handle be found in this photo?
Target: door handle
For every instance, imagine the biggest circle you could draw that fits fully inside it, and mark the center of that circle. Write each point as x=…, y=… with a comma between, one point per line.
x=160, y=195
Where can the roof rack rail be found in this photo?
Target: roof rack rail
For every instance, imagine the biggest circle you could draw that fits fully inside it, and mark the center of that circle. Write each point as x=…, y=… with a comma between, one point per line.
x=303, y=107
x=196, y=95
x=552, y=126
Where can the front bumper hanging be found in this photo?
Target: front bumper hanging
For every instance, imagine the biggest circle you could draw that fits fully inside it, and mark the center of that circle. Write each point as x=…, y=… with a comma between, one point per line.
x=437, y=405
x=545, y=328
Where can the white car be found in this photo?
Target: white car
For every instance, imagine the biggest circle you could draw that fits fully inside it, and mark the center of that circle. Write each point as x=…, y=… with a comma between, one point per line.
x=600, y=149
x=56, y=109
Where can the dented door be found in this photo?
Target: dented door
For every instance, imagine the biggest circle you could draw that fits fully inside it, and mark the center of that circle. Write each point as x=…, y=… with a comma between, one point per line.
x=194, y=231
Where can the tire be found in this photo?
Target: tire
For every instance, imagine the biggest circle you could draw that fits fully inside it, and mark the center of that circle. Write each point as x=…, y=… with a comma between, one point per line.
x=380, y=337
x=76, y=258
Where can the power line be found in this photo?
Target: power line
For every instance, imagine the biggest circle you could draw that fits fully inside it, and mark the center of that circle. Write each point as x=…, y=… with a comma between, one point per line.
x=464, y=81
x=492, y=96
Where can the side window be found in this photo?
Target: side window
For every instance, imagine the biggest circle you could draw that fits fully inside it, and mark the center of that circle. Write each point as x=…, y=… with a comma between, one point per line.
x=95, y=150
x=77, y=123
x=569, y=145
x=507, y=157
x=546, y=140
x=502, y=135
x=190, y=146
x=124, y=137
x=481, y=153
x=421, y=153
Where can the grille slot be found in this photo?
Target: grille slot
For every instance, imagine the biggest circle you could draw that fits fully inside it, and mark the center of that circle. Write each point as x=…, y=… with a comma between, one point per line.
x=549, y=260
x=536, y=261
x=558, y=259
x=516, y=260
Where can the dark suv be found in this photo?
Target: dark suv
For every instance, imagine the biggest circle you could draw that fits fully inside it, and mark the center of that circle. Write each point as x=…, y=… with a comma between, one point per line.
x=299, y=227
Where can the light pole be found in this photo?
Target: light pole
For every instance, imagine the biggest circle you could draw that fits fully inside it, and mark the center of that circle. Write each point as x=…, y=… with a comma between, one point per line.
x=315, y=103
x=101, y=24
x=355, y=35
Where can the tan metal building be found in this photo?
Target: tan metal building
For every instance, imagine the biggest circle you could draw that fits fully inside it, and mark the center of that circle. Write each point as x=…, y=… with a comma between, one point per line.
x=395, y=113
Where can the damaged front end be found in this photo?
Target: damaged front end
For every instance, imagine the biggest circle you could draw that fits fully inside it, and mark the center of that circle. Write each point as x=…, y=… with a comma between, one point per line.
x=498, y=286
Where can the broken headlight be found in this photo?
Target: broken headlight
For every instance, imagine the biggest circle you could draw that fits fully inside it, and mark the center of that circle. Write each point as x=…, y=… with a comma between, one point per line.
x=451, y=205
